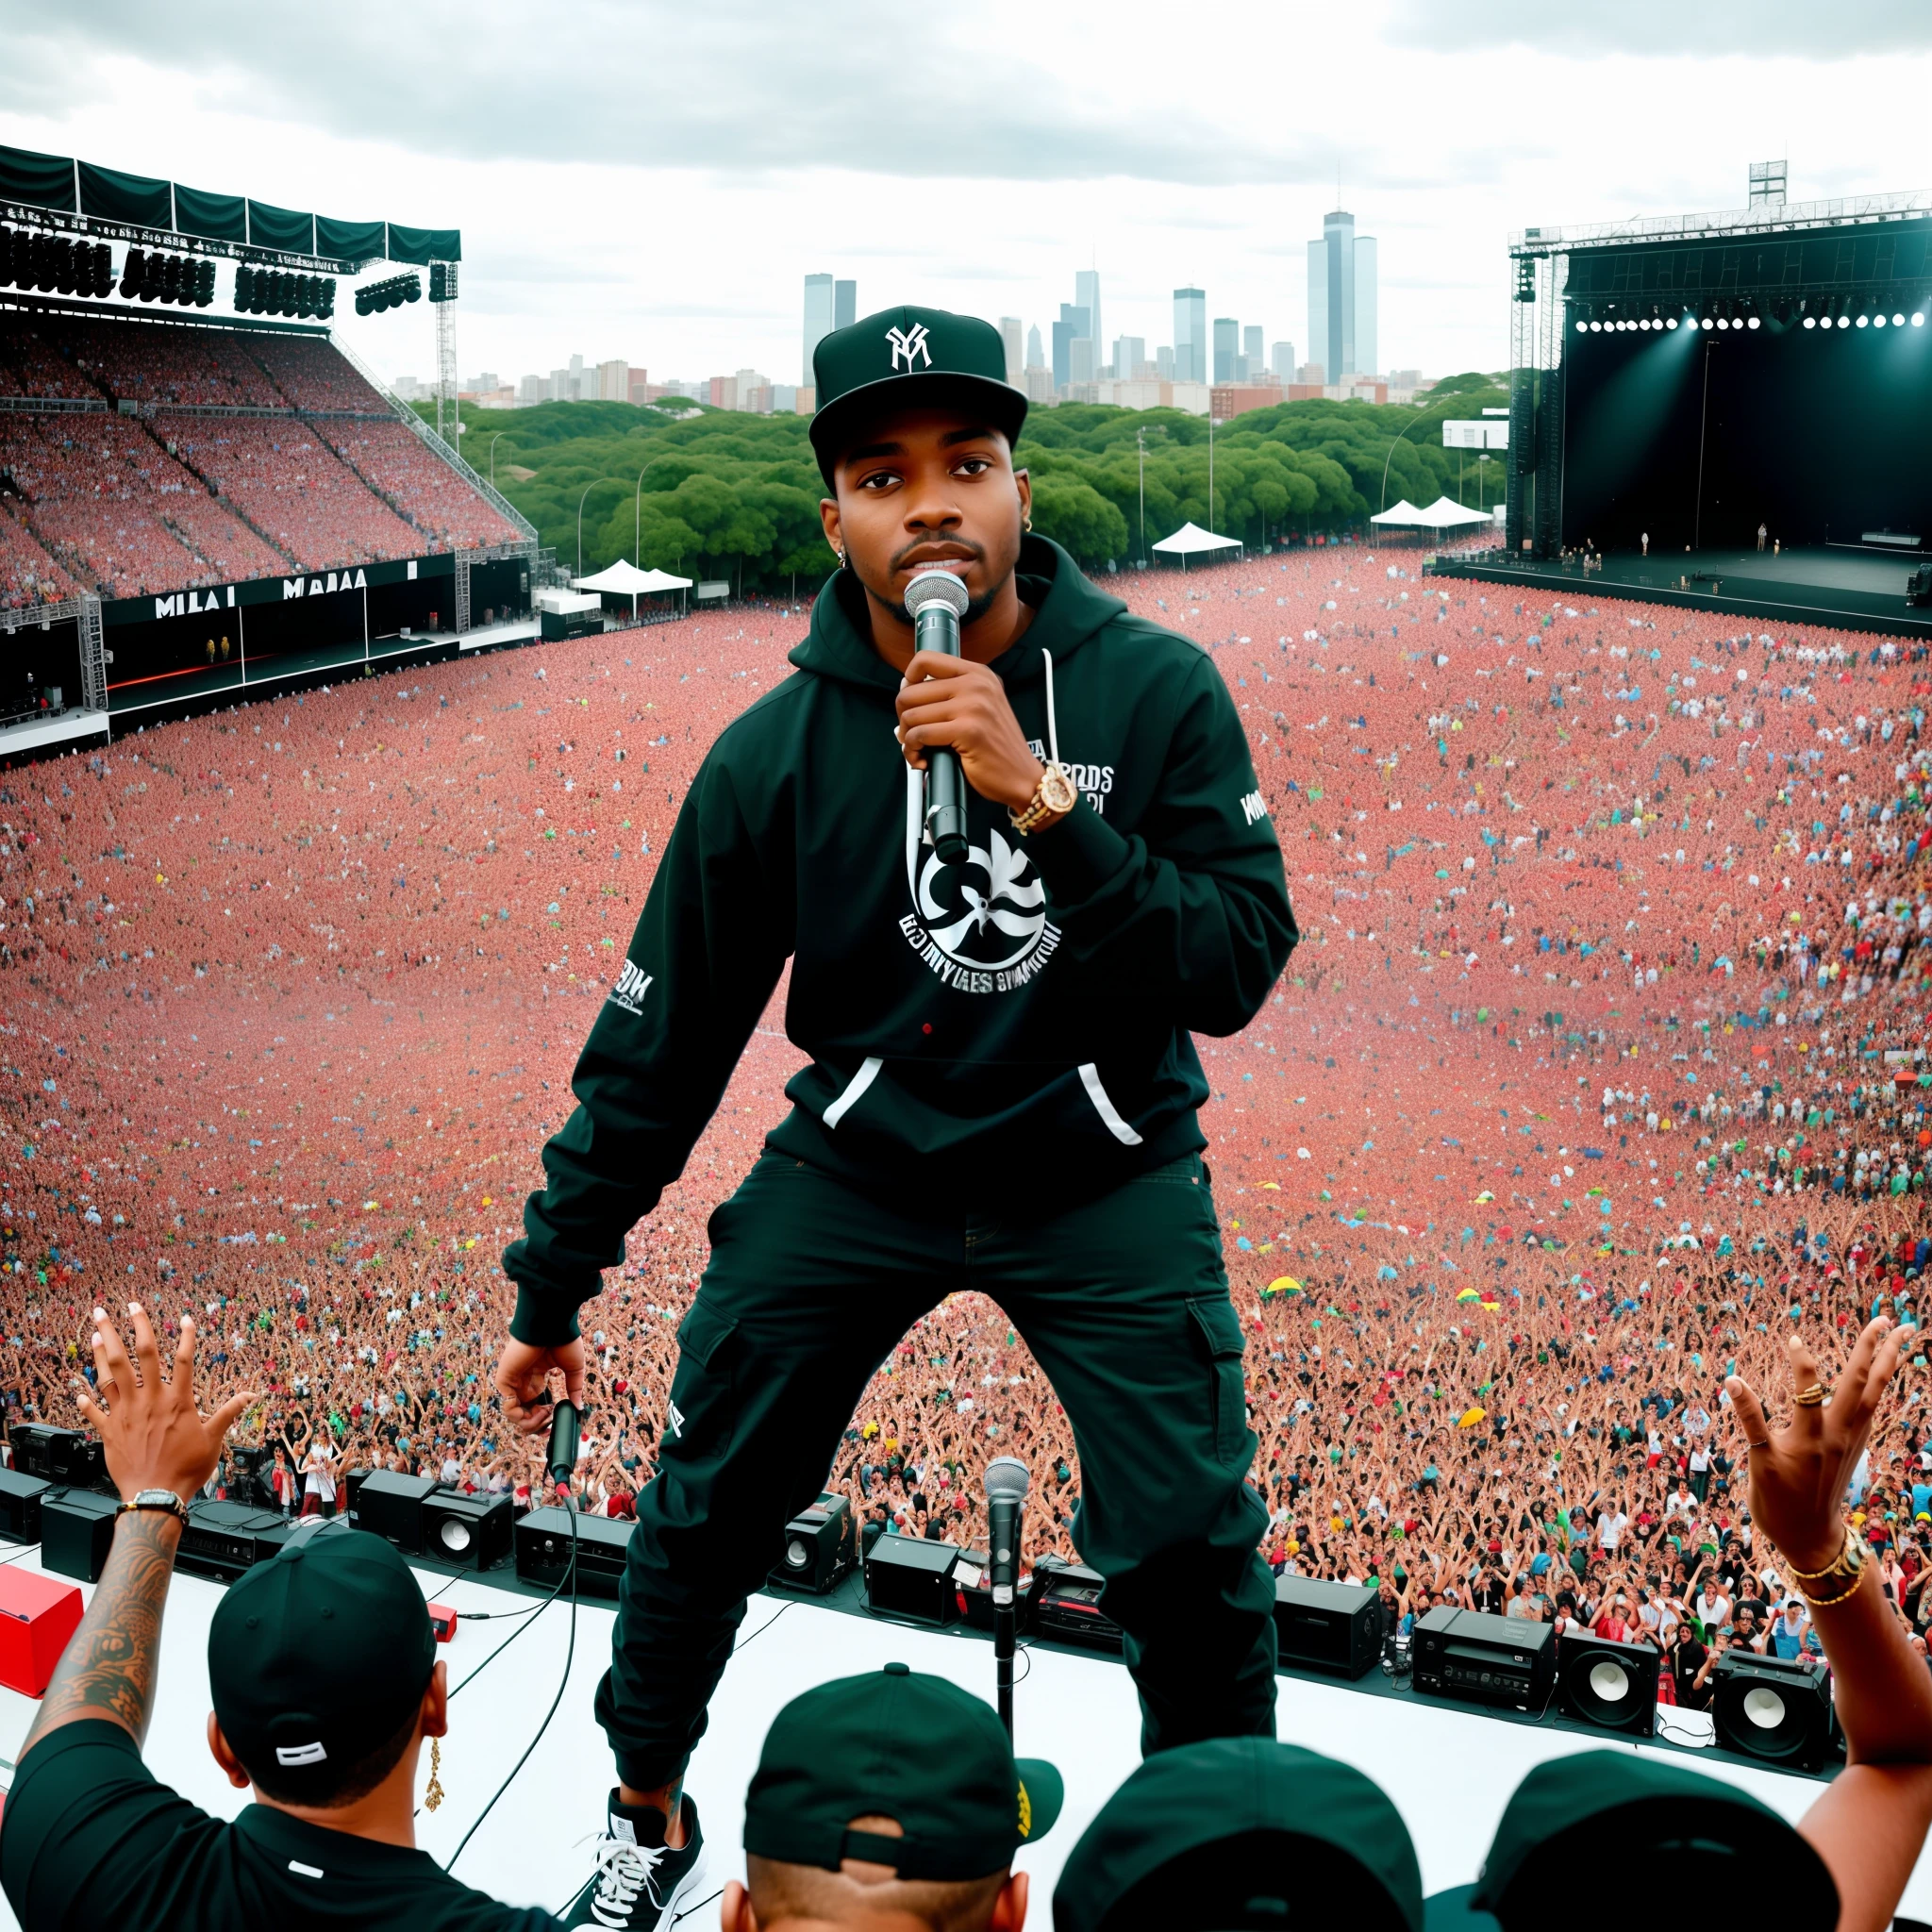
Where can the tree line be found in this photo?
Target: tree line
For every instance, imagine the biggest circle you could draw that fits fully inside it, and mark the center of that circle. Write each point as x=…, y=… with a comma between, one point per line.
x=714, y=493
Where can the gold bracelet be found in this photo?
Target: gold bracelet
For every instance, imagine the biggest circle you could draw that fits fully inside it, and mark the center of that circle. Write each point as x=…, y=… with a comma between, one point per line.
x=1812, y=1575
x=1825, y=1603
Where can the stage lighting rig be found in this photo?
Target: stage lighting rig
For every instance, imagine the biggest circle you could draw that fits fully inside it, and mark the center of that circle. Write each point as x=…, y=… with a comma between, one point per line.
x=381, y=297
x=443, y=281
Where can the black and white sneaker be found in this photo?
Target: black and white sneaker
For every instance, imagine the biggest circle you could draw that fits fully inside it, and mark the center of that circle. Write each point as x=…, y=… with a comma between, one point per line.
x=640, y=1888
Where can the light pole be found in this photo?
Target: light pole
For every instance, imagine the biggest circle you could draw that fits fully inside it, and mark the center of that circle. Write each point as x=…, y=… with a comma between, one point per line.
x=588, y=487
x=1141, y=445
x=637, y=541
x=494, y=441
x=1210, y=466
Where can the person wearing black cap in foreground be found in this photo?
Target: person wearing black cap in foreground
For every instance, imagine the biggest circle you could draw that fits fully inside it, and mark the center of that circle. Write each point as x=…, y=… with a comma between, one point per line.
x=1002, y=1089
x=894, y=1802
x=323, y=1669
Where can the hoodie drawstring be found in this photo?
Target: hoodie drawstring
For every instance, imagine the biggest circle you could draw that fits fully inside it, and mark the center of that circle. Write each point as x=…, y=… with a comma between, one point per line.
x=1053, y=732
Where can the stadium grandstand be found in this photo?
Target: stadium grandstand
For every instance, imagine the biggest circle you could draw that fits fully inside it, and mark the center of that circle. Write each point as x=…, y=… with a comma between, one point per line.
x=157, y=465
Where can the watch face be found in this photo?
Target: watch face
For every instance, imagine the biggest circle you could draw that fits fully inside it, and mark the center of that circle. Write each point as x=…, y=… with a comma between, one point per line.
x=1056, y=790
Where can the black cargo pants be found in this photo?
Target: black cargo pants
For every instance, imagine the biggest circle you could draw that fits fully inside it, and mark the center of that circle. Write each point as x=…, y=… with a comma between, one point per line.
x=811, y=1285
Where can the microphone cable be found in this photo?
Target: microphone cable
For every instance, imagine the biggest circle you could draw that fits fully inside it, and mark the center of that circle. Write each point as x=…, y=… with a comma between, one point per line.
x=563, y=1440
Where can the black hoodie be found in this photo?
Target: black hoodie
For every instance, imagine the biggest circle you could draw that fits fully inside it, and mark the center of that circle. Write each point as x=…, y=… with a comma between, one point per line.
x=1014, y=1030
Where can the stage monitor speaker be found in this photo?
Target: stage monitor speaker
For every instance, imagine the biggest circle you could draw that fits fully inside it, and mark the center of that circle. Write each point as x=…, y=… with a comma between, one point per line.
x=1485, y=1660
x=348, y=1486
x=906, y=1577
x=1328, y=1626
x=543, y=1543
x=391, y=1506
x=76, y=1532
x=61, y=1456
x=19, y=1506
x=1773, y=1707
x=37, y=1617
x=226, y=1540
x=1608, y=1684
x=819, y=1548
x=475, y=1531
x=1066, y=1606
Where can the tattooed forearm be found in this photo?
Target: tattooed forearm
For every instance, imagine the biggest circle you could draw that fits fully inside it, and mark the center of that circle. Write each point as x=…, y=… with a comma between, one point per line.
x=109, y=1665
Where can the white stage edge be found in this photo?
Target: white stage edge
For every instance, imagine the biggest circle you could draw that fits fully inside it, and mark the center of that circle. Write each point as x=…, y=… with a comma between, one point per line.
x=516, y=630
x=1449, y=1770
x=65, y=727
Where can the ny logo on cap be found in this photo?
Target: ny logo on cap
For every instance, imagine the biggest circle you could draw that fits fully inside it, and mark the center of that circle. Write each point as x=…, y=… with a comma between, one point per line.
x=300, y=1754
x=908, y=343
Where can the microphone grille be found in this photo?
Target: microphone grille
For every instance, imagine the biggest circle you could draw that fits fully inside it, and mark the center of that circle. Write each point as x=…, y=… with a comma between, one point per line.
x=1007, y=1479
x=936, y=585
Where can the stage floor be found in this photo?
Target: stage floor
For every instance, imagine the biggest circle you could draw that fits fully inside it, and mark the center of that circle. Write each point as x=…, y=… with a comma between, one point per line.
x=1449, y=1769
x=1846, y=588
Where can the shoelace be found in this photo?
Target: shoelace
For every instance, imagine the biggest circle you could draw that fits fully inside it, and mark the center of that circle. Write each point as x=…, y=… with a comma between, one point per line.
x=629, y=1869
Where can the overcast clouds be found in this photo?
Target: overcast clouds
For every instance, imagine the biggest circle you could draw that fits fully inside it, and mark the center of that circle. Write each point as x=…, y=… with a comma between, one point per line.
x=653, y=181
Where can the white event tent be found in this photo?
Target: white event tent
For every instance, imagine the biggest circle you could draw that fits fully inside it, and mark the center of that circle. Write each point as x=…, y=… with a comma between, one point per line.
x=1440, y=515
x=627, y=580
x=1191, y=539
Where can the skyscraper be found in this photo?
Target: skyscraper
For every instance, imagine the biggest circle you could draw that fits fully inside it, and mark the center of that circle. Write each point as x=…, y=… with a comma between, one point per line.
x=818, y=317
x=1190, y=335
x=1129, y=353
x=1086, y=296
x=844, y=304
x=1227, y=333
x=1075, y=323
x=1036, y=357
x=1255, y=361
x=1282, y=361
x=1009, y=341
x=1368, y=360
x=1342, y=296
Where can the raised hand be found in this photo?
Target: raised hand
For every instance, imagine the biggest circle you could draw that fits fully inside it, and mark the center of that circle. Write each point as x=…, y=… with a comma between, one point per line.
x=1799, y=1473
x=155, y=1436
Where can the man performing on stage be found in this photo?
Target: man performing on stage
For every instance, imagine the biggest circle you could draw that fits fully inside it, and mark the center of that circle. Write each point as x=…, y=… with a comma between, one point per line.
x=1002, y=1093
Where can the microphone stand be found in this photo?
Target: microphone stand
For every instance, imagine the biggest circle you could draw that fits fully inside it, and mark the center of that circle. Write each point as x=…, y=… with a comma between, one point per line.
x=1004, y=1629
x=1007, y=1485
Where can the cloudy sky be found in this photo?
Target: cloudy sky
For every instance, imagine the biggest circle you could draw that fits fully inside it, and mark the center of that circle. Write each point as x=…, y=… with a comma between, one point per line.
x=653, y=181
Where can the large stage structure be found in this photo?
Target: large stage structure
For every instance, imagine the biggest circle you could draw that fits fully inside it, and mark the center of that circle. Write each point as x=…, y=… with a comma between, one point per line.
x=69, y=229
x=1728, y=410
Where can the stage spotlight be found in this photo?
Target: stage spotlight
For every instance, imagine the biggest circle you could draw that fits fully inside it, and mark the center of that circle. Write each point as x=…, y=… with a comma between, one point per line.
x=1723, y=322
x=1864, y=321
x=1582, y=329
x=1917, y=317
x=1878, y=320
x=1597, y=327
x=1810, y=322
x=1670, y=322
x=1750, y=321
x=1898, y=322
x=1709, y=323
x=1845, y=321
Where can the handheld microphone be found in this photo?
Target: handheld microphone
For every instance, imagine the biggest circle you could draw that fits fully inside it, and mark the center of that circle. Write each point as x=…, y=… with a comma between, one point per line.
x=1008, y=1480
x=560, y=1459
x=936, y=600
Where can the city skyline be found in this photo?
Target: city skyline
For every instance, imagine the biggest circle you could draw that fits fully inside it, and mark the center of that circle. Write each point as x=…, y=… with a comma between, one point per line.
x=747, y=174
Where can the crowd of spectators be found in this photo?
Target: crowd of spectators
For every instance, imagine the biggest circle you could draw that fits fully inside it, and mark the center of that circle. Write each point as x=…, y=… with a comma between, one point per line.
x=295, y=491
x=295, y=992
x=29, y=574
x=311, y=374
x=394, y=460
x=282, y=475
x=158, y=363
x=31, y=366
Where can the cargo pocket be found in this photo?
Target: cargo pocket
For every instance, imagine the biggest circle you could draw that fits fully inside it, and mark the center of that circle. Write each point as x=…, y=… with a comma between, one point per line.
x=703, y=1409
x=1221, y=1330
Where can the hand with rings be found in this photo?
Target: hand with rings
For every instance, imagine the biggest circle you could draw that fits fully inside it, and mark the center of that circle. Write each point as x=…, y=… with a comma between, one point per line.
x=1799, y=1474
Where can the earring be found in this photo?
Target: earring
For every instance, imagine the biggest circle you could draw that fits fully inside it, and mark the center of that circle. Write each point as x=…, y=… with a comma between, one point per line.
x=841, y=555
x=432, y=1798
x=1027, y=523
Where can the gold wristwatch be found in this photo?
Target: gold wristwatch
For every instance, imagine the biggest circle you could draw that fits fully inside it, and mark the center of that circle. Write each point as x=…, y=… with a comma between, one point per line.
x=1837, y=1580
x=1052, y=798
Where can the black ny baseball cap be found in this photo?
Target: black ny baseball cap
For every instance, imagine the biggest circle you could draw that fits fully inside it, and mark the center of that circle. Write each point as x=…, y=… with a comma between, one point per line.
x=318, y=1656
x=1705, y=1843
x=909, y=358
x=896, y=1744
x=1242, y=1832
